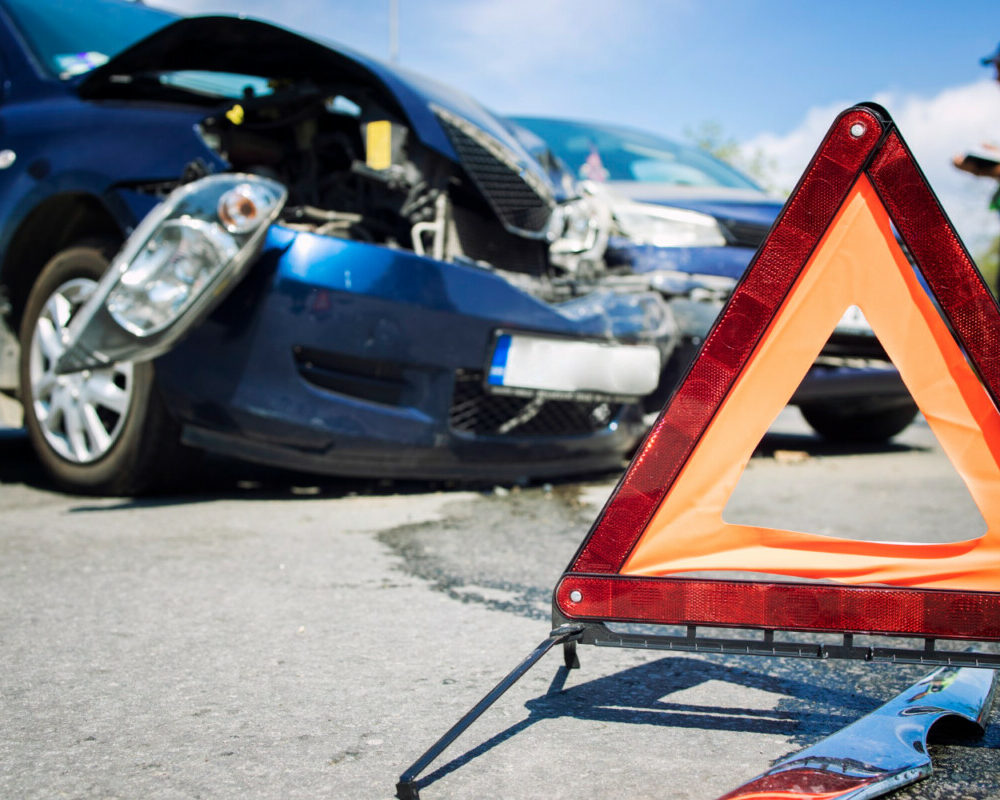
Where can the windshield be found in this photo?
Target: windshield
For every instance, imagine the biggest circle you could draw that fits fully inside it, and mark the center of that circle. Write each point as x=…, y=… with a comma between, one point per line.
x=70, y=37
x=611, y=153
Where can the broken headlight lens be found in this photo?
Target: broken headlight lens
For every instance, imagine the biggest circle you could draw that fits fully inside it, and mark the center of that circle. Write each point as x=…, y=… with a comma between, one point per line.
x=662, y=226
x=201, y=234
x=173, y=267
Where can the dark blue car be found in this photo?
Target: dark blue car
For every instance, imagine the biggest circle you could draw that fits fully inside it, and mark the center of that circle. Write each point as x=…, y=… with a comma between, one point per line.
x=219, y=235
x=688, y=225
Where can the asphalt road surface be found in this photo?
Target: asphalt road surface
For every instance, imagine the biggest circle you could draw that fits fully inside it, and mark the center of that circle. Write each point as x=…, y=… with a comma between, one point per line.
x=269, y=635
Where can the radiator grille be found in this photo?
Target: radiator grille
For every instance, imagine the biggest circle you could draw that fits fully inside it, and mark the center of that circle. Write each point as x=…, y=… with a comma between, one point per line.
x=473, y=410
x=506, y=187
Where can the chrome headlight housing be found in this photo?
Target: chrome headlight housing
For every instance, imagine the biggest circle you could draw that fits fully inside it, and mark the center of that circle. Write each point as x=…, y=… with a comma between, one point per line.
x=175, y=267
x=578, y=230
x=663, y=226
x=168, y=274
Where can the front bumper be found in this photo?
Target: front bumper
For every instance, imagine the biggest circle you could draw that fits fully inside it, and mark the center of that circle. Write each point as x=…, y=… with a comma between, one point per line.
x=346, y=358
x=728, y=261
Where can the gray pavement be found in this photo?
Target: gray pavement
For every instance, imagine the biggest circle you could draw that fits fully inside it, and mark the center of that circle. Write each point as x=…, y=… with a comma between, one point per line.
x=275, y=636
x=10, y=413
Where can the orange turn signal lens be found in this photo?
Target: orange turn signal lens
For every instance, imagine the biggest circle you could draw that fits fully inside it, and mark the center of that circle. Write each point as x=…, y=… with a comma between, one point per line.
x=239, y=209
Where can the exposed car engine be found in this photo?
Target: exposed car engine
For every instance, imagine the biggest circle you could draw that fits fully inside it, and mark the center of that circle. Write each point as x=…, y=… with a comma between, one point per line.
x=353, y=171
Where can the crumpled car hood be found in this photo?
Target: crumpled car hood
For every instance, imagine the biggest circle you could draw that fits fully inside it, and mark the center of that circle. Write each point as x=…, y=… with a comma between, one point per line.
x=251, y=47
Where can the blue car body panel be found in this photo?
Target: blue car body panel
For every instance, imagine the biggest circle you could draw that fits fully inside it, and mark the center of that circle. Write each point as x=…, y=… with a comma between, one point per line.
x=67, y=147
x=730, y=262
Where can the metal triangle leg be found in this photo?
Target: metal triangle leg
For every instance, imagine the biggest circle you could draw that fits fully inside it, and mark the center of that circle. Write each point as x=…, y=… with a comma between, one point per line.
x=406, y=788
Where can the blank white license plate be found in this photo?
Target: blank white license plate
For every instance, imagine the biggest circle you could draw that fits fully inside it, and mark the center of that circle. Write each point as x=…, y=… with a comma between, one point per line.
x=538, y=363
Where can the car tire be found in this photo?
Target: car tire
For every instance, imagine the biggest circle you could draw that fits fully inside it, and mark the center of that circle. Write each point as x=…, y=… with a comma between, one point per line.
x=858, y=425
x=103, y=431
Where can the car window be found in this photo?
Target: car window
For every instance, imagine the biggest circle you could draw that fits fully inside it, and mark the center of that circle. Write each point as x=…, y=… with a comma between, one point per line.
x=70, y=37
x=605, y=152
x=217, y=84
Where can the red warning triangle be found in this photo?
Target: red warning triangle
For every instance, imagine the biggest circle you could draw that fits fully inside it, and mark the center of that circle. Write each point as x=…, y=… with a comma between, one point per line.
x=832, y=247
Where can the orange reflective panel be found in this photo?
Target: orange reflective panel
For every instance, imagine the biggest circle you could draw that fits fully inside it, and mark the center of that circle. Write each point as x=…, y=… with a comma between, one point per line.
x=858, y=262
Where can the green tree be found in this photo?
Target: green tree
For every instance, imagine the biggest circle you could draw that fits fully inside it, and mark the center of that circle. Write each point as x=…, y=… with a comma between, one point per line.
x=988, y=261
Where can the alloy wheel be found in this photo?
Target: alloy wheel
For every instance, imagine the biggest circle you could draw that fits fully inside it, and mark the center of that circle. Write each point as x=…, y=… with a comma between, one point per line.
x=81, y=415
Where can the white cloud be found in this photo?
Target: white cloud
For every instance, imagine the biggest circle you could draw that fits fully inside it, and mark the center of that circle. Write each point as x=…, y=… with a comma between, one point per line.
x=936, y=128
x=516, y=39
x=528, y=56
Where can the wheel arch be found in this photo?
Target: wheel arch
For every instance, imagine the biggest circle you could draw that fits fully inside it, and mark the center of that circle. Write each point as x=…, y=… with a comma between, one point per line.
x=53, y=225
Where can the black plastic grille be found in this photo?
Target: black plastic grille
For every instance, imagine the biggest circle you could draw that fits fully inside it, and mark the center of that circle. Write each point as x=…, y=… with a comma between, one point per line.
x=473, y=410
x=481, y=239
x=514, y=201
x=375, y=381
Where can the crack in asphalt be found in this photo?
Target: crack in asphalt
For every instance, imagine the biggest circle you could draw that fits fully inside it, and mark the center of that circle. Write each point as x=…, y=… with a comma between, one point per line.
x=418, y=561
x=476, y=554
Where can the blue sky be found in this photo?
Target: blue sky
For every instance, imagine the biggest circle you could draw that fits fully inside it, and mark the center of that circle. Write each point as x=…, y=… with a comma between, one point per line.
x=771, y=73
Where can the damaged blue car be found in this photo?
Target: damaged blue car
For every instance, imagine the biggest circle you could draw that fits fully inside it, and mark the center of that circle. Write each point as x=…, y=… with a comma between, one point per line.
x=219, y=235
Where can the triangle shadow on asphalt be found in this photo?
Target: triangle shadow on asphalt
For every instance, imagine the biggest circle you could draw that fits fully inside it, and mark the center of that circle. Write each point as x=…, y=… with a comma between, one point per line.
x=809, y=711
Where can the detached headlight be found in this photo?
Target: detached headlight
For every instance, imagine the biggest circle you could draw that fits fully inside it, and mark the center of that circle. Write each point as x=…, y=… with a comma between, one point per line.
x=202, y=232
x=175, y=267
x=661, y=226
x=168, y=274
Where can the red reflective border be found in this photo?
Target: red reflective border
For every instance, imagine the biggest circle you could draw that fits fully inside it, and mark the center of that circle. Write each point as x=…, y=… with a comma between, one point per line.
x=731, y=342
x=782, y=606
x=941, y=257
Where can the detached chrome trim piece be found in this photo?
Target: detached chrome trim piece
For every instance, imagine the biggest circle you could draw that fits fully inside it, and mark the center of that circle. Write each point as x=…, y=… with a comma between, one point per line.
x=883, y=751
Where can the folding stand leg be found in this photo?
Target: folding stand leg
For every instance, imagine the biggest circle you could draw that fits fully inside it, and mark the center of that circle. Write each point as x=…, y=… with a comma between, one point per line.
x=570, y=657
x=406, y=788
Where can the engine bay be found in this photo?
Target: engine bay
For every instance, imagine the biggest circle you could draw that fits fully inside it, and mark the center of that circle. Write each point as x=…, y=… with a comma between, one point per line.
x=354, y=170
